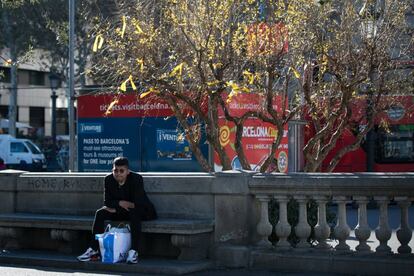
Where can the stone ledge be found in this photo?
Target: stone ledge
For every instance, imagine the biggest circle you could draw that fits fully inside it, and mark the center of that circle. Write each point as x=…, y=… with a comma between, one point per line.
x=70, y=222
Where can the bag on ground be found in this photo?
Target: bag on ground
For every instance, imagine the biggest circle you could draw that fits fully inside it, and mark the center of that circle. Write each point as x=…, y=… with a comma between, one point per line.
x=114, y=243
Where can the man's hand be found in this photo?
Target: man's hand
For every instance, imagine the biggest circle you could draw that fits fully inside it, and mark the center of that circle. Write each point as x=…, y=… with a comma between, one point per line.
x=110, y=210
x=126, y=204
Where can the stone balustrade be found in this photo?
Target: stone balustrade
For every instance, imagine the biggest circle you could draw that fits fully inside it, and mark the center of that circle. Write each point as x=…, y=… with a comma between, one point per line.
x=237, y=205
x=338, y=190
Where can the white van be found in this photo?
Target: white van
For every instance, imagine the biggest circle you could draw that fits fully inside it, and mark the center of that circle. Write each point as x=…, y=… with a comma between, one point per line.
x=21, y=154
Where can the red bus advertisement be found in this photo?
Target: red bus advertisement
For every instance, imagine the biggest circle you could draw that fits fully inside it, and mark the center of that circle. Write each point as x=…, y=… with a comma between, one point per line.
x=257, y=136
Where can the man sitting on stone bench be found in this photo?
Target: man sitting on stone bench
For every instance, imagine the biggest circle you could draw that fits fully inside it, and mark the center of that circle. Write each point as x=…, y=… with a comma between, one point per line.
x=124, y=199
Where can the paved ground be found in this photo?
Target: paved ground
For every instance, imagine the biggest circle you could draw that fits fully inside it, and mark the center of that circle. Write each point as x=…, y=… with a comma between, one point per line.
x=41, y=271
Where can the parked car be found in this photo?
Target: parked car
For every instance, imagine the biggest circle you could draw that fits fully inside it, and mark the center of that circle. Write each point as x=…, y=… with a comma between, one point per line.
x=21, y=154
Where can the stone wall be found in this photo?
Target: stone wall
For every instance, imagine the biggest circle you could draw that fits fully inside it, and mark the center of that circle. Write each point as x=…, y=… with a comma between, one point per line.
x=223, y=198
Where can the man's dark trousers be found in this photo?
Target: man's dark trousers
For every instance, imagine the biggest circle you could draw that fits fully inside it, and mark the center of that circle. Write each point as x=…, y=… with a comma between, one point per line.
x=133, y=216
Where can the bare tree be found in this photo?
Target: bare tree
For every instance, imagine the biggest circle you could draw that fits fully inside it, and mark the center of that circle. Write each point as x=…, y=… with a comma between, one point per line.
x=199, y=55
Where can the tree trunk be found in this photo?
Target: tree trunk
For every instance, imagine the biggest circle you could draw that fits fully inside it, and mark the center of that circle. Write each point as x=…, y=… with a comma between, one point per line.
x=275, y=146
x=239, y=146
x=190, y=136
x=213, y=133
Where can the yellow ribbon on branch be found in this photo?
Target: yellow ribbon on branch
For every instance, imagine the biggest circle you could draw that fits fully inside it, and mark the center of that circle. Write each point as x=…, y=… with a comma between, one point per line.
x=99, y=40
x=138, y=29
x=249, y=76
x=295, y=72
x=141, y=64
x=123, y=26
x=177, y=71
x=111, y=105
x=130, y=80
x=151, y=90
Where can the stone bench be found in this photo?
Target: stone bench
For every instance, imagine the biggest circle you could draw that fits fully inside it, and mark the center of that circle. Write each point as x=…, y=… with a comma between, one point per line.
x=191, y=236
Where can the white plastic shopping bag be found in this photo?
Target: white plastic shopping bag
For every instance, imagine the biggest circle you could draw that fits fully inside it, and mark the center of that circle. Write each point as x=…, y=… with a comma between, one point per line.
x=114, y=243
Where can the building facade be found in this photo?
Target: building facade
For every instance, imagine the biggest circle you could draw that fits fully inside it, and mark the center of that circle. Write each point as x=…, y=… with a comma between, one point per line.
x=34, y=102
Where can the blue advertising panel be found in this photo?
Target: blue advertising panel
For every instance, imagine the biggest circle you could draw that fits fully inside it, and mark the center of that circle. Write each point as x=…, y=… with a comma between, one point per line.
x=100, y=140
x=166, y=148
x=135, y=128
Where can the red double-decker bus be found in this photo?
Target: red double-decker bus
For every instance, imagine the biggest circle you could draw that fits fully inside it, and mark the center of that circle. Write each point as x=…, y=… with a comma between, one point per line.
x=393, y=139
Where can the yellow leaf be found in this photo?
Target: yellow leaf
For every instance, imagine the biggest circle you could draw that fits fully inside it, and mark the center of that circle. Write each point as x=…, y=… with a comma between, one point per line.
x=123, y=26
x=98, y=43
x=295, y=72
x=111, y=105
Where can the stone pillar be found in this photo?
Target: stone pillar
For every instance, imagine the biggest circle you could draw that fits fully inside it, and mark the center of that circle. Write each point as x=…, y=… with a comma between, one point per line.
x=8, y=190
x=264, y=228
x=236, y=217
x=362, y=230
x=342, y=229
x=283, y=227
x=303, y=228
x=383, y=231
x=322, y=230
x=404, y=233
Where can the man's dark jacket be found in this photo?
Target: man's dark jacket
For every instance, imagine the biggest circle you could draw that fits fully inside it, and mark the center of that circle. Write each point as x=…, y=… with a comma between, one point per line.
x=133, y=191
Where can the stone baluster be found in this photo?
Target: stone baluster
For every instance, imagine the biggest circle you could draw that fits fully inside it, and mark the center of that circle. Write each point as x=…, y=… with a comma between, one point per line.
x=404, y=233
x=342, y=229
x=283, y=227
x=322, y=230
x=264, y=228
x=303, y=228
x=383, y=231
x=362, y=230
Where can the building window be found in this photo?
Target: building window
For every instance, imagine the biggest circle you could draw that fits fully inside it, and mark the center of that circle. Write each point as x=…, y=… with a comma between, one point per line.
x=37, y=120
x=37, y=116
x=396, y=145
x=36, y=78
x=4, y=111
x=62, y=122
x=5, y=74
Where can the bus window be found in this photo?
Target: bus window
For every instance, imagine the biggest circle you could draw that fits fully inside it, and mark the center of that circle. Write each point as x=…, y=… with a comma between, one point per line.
x=396, y=144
